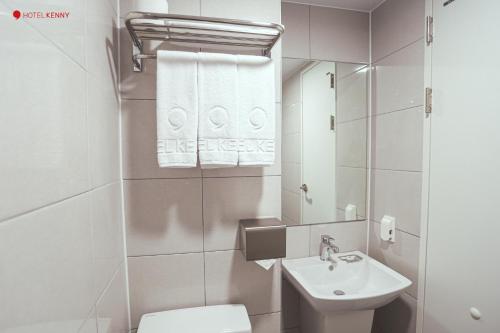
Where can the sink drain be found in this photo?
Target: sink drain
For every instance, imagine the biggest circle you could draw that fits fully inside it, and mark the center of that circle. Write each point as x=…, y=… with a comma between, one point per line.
x=339, y=292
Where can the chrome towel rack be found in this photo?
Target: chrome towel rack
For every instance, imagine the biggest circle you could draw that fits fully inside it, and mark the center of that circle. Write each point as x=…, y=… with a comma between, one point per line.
x=198, y=31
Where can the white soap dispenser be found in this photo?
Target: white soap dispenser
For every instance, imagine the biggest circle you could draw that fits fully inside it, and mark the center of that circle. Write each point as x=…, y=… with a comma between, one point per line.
x=388, y=229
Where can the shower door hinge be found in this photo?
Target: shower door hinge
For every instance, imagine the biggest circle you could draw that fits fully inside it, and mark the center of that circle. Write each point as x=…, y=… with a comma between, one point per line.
x=332, y=123
x=428, y=100
x=429, y=30
x=332, y=79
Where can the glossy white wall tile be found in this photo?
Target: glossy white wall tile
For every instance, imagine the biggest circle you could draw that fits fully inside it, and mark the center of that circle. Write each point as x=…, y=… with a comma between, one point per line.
x=296, y=42
x=160, y=283
x=270, y=322
x=230, y=279
x=112, y=307
x=316, y=33
x=397, y=193
x=61, y=177
x=47, y=268
x=339, y=35
x=90, y=325
x=104, y=126
x=101, y=42
x=107, y=233
x=227, y=200
x=297, y=242
x=163, y=216
x=397, y=125
x=397, y=140
x=44, y=131
x=406, y=67
x=256, y=10
x=67, y=34
x=401, y=256
x=395, y=24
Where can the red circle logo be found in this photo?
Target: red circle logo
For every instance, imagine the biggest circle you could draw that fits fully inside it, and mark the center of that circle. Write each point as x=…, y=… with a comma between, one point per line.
x=16, y=14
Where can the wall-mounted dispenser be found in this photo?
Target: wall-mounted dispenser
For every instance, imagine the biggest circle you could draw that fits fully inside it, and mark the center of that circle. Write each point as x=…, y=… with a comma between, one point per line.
x=263, y=238
x=388, y=229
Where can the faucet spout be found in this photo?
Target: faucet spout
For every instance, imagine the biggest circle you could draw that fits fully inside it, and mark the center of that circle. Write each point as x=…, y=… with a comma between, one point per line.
x=328, y=248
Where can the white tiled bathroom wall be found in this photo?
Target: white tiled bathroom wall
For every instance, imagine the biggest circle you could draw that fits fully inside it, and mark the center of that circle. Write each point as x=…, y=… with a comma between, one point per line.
x=397, y=137
x=62, y=259
x=182, y=224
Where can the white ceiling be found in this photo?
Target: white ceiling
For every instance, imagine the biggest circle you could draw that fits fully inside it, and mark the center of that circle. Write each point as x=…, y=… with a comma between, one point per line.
x=362, y=5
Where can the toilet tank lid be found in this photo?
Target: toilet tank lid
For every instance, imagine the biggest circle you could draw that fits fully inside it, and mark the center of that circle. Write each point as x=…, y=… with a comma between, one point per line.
x=205, y=319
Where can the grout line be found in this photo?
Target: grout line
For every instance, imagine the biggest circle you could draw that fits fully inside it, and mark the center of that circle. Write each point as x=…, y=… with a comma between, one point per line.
x=263, y=314
x=309, y=38
x=367, y=117
x=398, y=229
x=203, y=242
x=410, y=108
x=200, y=177
x=414, y=298
x=309, y=240
x=421, y=38
x=369, y=137
x=56, y=202
x=179, y=178
x=192, y=252
x=396, y=170
x=352, y=167
x=377, y=6
x=325, y=223
x=326, y=6
x=365, y=67
x=138, y=99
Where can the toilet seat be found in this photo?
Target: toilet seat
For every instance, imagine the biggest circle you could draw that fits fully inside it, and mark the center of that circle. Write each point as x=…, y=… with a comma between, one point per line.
x=205, y=319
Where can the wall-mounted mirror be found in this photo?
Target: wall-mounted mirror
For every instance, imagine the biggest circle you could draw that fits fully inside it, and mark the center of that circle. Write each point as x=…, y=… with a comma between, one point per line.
x=324, y=131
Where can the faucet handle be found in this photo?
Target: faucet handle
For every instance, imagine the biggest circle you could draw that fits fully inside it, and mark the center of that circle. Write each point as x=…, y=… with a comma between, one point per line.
x=327, y=239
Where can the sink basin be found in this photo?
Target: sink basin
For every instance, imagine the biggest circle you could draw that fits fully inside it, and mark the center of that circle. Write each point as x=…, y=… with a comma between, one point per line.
x=362, y=285
x=345, y=294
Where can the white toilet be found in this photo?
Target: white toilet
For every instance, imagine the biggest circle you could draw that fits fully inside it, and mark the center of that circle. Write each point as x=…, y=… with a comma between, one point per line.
x=205, y=319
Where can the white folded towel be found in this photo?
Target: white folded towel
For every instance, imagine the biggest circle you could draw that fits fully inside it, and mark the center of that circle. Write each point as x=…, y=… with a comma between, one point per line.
x=218, y=113
x=177, y=109
x=256, y=108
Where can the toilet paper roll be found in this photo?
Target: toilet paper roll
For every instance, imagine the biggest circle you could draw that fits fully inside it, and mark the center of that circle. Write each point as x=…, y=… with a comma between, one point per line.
x=266, y=264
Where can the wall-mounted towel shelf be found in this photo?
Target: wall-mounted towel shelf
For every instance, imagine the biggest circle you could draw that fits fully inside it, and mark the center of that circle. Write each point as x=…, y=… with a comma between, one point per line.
x=198, y=31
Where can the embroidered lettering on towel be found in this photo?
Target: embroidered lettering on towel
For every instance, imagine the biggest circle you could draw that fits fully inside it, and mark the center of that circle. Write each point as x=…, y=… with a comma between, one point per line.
x=176, y=146
x=256, y=145
x=243, y=145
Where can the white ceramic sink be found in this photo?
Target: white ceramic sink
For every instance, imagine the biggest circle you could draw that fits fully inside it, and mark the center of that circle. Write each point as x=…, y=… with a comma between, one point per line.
x=367, y=284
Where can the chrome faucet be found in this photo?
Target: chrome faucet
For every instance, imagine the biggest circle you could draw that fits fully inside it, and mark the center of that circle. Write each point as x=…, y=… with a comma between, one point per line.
x=327, y=248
